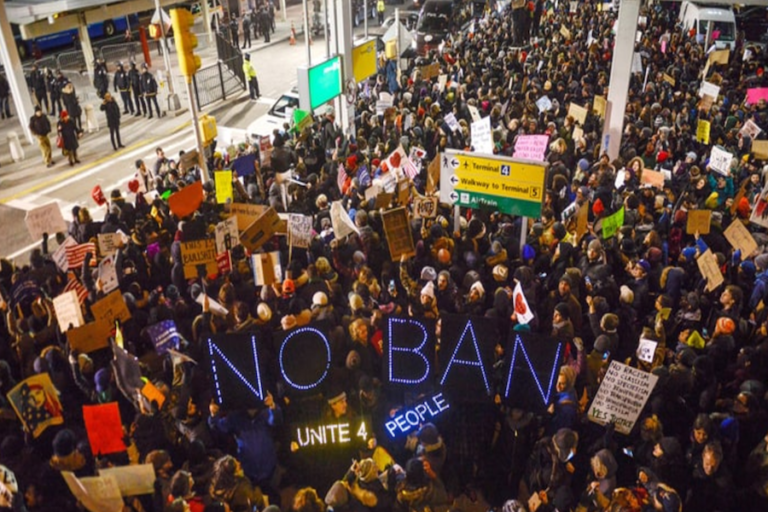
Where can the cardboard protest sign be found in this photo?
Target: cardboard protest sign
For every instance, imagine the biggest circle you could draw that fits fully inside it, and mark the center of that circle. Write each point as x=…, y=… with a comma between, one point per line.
x=186, y=201
x=531, y=147
x=227, y=235
x=108, y=274
x=68, y=311
x=246, y=213
x=708, y=267
x=430, y=71
x=646, y=349
x=599, y=105
x=397, y=230
x=45, y=219
x=96, y=493
x=698, y=222
x=565, y=32
x=751, y=129
x=383, y=200
x=36, y=402
x=267, y=269
x=403, y=191
x=760, y=149
x=260, y=230
x=482, y=138
x=424, y=207
x=652, y=178
x=90, y=337
x=105, y=430
x=668, y=79
x=719, y=57
x=740, y=238
x=111, y=308
x=198, y=252
x=132, y=480
x=59, y=256
x=709, y=89
x=582, y=220
x=223, y=184
x=152, y=394
x=621, y=396
x=441, y=81
x=299, y=230
x=342, y=224
x=720, y=160
x=433, y=174
x=164, y=336
x=108, y=243
x=612, y=223
x=372, y=191
x=755, y=95
x=578, y=113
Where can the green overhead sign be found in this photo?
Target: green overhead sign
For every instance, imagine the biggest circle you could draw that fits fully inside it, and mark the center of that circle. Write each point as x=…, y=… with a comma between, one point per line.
x=320, y=83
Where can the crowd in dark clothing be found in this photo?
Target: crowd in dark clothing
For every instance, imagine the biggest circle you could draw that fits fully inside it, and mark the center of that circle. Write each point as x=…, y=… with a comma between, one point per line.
x=701, y=441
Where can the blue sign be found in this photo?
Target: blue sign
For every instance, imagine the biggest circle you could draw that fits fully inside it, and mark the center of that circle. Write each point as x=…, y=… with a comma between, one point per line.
x=413, y=417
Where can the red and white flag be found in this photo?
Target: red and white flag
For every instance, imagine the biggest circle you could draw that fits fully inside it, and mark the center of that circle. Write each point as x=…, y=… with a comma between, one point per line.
x=342, y=178
x=524, y=313
x=77, y=286
x=76, y=254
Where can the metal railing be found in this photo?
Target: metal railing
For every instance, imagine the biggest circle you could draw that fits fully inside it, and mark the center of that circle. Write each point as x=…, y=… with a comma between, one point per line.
x=218, y=81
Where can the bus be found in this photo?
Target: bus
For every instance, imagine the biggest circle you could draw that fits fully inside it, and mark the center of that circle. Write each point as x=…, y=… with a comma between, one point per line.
x=107, y=28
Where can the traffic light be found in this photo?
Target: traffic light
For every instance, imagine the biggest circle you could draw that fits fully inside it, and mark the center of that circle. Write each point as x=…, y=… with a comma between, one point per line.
x=186, y=41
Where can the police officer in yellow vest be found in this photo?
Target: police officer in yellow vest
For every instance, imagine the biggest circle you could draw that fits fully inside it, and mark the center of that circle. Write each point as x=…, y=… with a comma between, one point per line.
x=380, y=11
x=250, y=76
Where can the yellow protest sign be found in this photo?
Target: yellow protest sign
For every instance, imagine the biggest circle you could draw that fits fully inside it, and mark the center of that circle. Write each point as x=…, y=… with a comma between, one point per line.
x=598, y=107
x=702, y=131
x=196, y=253
x=578, y=113
x=760, y=149
x=223, y=186
x=364, y=60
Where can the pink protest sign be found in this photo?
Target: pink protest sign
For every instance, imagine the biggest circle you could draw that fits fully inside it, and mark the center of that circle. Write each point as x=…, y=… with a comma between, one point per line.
x=755, y=95
x=531, y=147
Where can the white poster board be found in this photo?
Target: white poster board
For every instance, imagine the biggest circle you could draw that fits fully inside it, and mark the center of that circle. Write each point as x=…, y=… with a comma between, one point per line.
x=300, y=230
x=720, y=160
x=227, y=235
x=45, y=219
x=622, y=396
x=132, y=480
x=68, y=311
x=108, y=243
x=646, y=349
x=482, y=139
x=108, y=274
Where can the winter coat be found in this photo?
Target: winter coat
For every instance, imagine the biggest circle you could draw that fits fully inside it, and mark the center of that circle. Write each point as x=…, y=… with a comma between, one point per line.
x=113, y=113
x=40, y=125
x=148, y=84
x=122, y=81
x=134, y=77
x=69, y=97
x=69, y=134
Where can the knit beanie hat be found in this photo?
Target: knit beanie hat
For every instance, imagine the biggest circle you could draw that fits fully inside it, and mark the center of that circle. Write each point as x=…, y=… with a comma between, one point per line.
x=565, y=440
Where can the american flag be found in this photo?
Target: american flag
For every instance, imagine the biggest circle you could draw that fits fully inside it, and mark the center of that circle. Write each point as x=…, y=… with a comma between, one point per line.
x=409, y=168
x=342, y=178
x=77, y=286
x=76, y=254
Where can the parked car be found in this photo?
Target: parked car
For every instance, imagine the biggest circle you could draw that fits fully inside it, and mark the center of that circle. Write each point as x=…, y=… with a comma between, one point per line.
x=280, y=112
x=407, y=18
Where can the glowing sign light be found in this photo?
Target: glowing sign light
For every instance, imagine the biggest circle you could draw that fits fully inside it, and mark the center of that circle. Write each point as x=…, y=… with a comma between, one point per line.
x=412, y=417
x=338, y=433
x=468, y=328
x=544, y=388
x=307, y=359
x=215, y=352
x=417, y=351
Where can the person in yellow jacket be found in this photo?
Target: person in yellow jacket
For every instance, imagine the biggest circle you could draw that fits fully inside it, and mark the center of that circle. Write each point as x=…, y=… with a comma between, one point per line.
x=250, y=77
x=380, y=11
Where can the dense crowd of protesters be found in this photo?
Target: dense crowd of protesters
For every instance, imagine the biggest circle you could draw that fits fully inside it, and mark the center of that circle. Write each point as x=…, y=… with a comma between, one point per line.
x=701, y=442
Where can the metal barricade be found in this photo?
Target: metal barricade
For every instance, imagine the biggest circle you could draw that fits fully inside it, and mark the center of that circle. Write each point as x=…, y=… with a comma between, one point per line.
x=218, y=81
x=72, y=60
x=123, y=52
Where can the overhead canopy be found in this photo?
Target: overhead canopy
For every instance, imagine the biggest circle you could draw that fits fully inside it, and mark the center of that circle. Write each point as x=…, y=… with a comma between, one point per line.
x=33, y=16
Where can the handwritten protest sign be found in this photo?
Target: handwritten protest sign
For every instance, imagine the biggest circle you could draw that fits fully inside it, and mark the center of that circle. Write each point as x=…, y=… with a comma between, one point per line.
x=452, y=123
x=646, y=349
x=698, y=222
x=751, y=129
x=300, y=230
x=227, y=235
x=186, y=201
x=544, y=104
x=267, y=269
x=223, y=183
x=111, y=308
x=482, y=139
x=105, y=430
x=68, y=311
x=164, y=336
x=531, y=147
x=652, y=178
x=612, y=223
x=96, y=493
x=397, y=230
x=45, y=219
x=720, y=160
x=702, y=131
x=433, y=174
x=740, y=238
x=36, y=402
x=198, y=252
x=755, y=95
x=621, y=396
x=719, y=57
x=667, y=78
x=108, y=243
x=424, y=207
x=342, y=224
x=90, y=337
x=578, y=113
x=760, y=149
x=708, y=267
x=150, y=391
x=383, y=102
x=709, y=89
x=565, y=32
x=132, y=480
x=108, y=274
x=599, y=105
x=246, y=213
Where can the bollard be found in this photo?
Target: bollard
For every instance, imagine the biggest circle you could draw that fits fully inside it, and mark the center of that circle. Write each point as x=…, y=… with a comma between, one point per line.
x=17, y=152
x=91, y=123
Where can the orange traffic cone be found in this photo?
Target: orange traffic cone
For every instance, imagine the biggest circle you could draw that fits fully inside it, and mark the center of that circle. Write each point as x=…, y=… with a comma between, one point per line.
x=293, y=35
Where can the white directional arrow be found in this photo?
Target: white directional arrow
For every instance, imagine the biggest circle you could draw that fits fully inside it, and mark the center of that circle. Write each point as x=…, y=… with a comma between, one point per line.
x=454, y=180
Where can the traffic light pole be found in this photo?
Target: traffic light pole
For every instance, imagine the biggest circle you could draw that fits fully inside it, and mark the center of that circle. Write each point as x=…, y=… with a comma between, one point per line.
x=198, y=136
x=173, y=98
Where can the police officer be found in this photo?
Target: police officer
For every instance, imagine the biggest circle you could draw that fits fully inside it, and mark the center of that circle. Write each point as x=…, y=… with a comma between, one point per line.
x=250, y=76
x=149, y=90
x=122, y=83
x=36, y=82
x=134, y=77
x=246, y=31
x=380, y=11
x=55, y=89
x=233, y=31
x=100, y=78
x=265, y=23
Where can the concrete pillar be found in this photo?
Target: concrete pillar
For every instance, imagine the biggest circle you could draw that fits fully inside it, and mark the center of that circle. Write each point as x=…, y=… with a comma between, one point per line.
x=621, y=67
x=341, y=43
x=85, y=44
x=207, y=21
x=9, y=55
